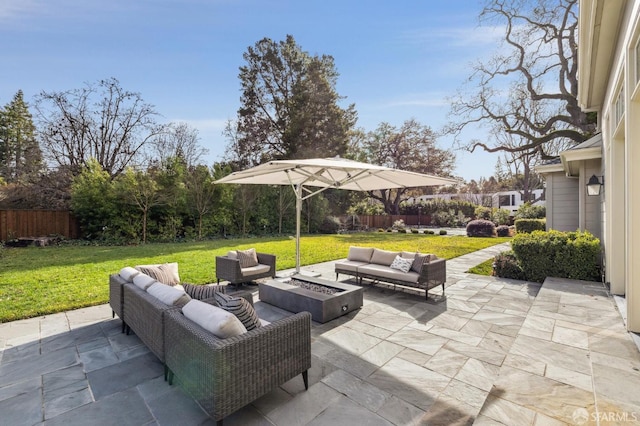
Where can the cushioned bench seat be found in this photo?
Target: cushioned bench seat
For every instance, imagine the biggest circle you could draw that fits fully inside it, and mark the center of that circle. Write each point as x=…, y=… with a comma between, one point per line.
x=416, y=270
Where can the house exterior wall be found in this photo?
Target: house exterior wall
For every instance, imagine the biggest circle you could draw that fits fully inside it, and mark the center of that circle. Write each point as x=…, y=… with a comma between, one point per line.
x=562, y=202
x=593, y=205
x=618, y=68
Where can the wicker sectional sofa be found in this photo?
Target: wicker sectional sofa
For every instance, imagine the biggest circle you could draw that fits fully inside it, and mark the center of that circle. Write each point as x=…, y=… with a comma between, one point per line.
x=426, y=270
x=221, y=374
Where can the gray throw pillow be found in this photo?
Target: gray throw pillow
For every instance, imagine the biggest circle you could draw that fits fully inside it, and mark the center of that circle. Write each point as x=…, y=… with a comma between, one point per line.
x=248, y=258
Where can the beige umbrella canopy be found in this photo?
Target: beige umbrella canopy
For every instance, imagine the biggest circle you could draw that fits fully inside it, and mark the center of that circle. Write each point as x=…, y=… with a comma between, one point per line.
x=324, y=173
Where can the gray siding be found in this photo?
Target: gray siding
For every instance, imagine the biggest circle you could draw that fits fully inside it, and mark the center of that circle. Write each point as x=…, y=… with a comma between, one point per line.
x=564, y=214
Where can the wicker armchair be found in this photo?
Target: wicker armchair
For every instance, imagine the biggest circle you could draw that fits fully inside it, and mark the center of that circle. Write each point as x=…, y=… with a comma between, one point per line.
x=228, y=268
x=224, y=375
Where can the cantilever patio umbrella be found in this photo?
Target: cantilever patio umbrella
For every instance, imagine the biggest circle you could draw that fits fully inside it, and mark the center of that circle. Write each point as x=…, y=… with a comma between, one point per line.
x=325, y=173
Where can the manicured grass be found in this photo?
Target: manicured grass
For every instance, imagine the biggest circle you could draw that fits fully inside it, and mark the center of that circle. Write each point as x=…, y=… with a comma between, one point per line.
x=485, y=268
x=36, y=281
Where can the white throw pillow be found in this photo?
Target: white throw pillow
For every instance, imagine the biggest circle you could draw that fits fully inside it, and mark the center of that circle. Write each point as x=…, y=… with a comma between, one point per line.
x=401, y=264
x=217, y=321
x=143, y=281
x=128, y=273
x=168, y=295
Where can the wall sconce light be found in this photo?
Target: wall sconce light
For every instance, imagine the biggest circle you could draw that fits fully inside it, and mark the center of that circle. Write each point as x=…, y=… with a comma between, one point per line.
x=594, y=185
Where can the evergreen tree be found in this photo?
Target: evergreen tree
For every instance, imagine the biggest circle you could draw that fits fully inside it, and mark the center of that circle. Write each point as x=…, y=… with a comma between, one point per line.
x=289, y=106
x=20, y=155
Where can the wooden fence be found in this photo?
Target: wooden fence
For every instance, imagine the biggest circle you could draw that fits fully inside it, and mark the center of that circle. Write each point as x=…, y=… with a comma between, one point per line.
x=37, y=223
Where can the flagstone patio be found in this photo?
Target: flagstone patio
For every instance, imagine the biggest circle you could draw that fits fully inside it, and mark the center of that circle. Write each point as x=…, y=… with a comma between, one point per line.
x=492, y=351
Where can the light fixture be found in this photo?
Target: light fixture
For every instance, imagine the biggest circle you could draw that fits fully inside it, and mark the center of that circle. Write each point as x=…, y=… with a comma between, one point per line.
x=594, y=185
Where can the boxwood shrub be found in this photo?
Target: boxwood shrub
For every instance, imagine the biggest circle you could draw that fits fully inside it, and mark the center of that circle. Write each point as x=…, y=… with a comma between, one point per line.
x=530, y=225
x=573, y=255
x=481, y=228
x=505, y=265
x=502, y=231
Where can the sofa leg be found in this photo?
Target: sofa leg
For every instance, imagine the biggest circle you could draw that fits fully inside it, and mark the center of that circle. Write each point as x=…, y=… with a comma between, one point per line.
x=169, y=376
x=124, y=326
x=127, y=330
x=166, y=372
x=219, y=422
x=305, y=378
x=113, y=313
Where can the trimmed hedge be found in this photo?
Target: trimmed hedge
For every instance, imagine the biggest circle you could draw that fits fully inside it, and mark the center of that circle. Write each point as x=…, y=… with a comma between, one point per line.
x=481, y=228
x=530, y=225
x=573, y=255
x=502, y=231
x=505, y=265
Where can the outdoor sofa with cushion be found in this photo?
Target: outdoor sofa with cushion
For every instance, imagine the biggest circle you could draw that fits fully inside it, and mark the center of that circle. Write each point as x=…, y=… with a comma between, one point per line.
x=409, y=269
x=240, y=266
x=218, y=348
x=166, y=273
x=225, y=374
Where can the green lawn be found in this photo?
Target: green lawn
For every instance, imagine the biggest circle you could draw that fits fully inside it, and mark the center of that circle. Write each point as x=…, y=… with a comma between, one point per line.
x=42, y=280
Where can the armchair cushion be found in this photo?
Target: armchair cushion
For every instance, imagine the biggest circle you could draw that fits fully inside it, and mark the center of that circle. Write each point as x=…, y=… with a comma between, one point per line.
x=166, y=273
x=255, y=270
x=239, y=307
x=248, y=258
x=218, y=322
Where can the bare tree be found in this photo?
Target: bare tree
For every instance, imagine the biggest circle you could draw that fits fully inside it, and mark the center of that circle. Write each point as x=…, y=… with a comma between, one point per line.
x=141, y=190
x=179, y=140
x=200, y=192
x=101, y=121
x=537, y=65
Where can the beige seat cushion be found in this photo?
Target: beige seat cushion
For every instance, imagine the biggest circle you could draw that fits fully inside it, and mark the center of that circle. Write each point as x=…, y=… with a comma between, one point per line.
x=386, y=272
x=255, y=270
x=349, y=265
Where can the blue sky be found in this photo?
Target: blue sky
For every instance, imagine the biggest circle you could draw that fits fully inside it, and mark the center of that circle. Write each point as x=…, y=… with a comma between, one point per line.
x=397, y=60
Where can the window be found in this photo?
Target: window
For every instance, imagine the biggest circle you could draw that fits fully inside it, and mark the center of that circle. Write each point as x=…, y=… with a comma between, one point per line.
x=637, y=60
x=505, y=200
x=618, y=111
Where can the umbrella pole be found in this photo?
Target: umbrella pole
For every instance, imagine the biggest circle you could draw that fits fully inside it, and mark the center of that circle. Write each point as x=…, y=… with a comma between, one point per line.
x=298, y=214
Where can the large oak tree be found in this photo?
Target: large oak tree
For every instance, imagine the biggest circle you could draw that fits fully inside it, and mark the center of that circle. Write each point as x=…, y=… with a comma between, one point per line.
x=534, y=69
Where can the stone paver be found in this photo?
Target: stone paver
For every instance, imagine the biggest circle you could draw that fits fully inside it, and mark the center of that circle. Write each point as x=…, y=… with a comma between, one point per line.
x=487, y=351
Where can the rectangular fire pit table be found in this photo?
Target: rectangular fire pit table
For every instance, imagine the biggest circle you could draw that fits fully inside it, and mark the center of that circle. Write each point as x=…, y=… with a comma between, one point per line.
x=312, y=295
